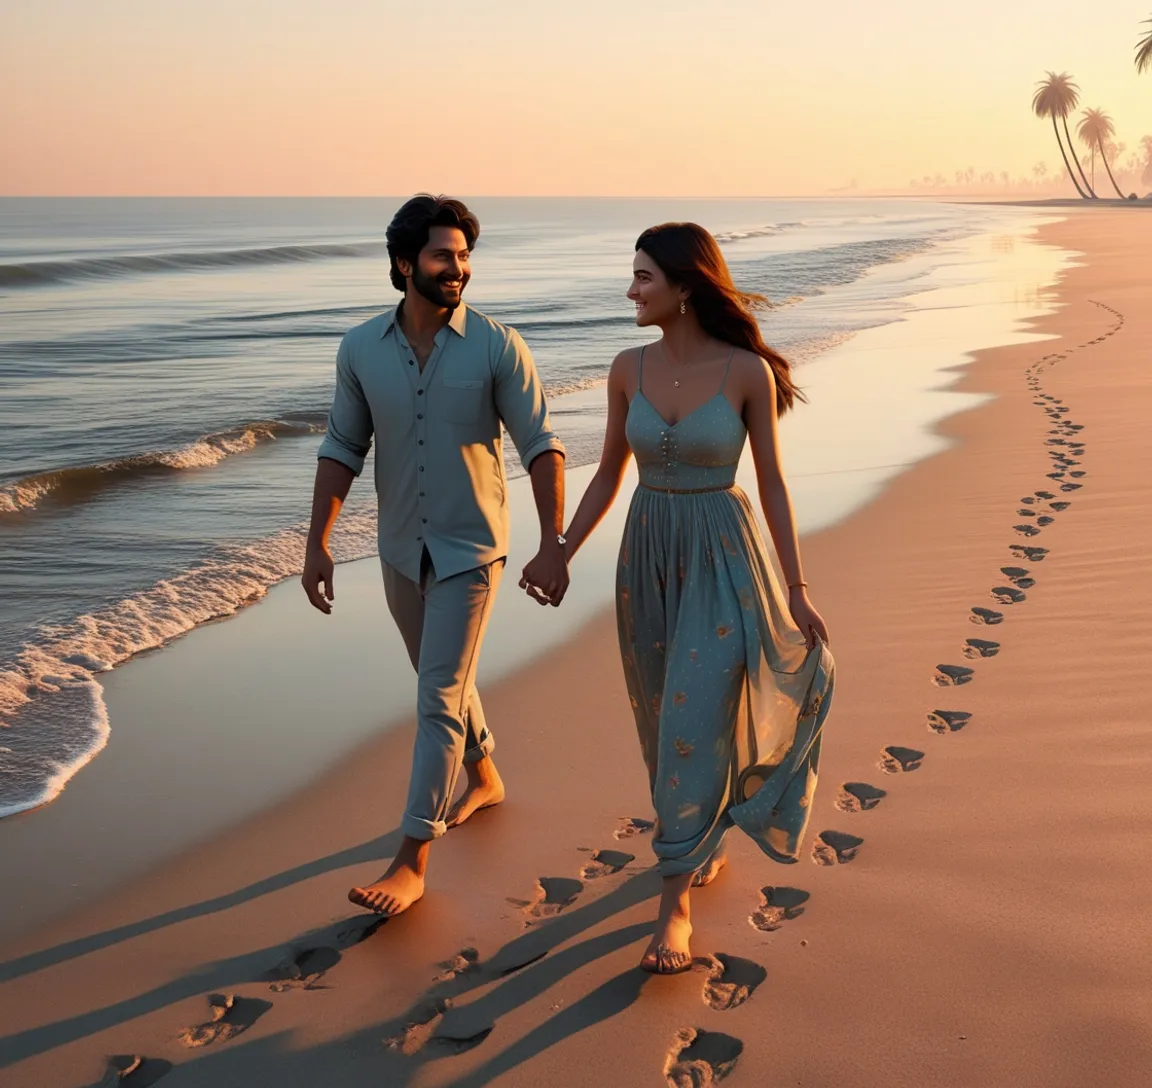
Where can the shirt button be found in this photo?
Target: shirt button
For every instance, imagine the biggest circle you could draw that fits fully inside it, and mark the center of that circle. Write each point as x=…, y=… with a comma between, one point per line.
x=421, y=494
x=419, y=415
x=419, y=392
x=421, y=441
x=411, y=362
x=423, y=521
x=421, y=468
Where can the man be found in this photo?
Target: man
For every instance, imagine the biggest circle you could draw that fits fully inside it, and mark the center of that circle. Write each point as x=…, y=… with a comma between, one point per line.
x=433, y=380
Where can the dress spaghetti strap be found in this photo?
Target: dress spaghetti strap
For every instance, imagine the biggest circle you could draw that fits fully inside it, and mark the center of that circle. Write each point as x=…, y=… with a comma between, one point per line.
x=727, y=367
x=640, y=371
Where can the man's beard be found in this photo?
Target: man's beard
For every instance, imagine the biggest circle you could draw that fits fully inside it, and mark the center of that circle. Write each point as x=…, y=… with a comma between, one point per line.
x=429, y=287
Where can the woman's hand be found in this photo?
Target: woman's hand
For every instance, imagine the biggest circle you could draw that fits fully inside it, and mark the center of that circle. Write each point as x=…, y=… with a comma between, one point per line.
x=805, y=616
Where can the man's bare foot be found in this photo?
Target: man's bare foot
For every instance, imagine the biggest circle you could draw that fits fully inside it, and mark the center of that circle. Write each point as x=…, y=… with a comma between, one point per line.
x=668, y=952
x=392, y=894
x=711, y=869
x=484, y=790
x=401, y=886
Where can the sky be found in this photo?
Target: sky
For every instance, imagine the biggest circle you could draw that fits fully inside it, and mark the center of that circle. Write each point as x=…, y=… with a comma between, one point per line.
x=488, y=97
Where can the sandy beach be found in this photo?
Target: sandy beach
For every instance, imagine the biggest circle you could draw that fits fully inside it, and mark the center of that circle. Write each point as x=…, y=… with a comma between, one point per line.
x=976, y=867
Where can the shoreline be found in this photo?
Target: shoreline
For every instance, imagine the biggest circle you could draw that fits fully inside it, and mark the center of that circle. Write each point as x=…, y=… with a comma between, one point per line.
x=218, y=673
x=951, y=913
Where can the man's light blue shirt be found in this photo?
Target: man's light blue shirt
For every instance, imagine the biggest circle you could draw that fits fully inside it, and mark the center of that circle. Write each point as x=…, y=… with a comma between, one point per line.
x=439, y=449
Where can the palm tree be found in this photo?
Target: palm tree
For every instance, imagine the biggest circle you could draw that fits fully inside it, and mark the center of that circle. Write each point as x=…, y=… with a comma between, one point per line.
x=1057, y=96
x=1094, y=129
x=1144, y=50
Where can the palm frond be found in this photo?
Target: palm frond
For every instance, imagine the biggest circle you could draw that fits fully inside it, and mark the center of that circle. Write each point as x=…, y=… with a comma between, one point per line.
x=1144, y=50
x=1056, y=96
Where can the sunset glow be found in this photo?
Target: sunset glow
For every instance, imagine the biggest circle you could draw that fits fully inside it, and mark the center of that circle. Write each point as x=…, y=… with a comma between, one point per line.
x=506, y=97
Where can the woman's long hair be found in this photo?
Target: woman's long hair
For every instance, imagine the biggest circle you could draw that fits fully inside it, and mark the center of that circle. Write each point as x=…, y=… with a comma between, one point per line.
x=689, y=256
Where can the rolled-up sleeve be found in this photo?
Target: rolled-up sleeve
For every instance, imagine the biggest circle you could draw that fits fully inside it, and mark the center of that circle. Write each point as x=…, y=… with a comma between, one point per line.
x=521, y=403
x=349, y=436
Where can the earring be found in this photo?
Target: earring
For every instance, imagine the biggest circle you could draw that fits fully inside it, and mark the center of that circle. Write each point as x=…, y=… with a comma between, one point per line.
x=683, y=308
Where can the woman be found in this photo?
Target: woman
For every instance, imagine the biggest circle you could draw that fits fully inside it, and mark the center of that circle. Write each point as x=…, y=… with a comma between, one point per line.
x=729, y=684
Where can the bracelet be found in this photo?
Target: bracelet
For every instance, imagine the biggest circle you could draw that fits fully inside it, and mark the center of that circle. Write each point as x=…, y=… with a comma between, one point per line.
x=794, y=585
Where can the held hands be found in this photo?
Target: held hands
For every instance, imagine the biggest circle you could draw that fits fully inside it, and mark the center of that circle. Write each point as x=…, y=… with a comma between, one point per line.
x=545, y=578
x=318, y=569
x=810, y=622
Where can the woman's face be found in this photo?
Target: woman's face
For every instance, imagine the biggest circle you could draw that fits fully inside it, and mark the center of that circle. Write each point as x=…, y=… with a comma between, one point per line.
x=656, y=299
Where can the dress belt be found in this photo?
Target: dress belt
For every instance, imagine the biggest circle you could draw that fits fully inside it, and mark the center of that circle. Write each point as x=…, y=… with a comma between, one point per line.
x=687, y=490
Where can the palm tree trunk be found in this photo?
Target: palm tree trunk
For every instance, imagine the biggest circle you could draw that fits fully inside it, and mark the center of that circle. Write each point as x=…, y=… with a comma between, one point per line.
x=1064, y=156
x=1072, y=152
x=1109, y=169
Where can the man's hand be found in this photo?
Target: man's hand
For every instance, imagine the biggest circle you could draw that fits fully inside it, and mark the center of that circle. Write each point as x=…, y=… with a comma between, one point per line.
x=318, y=568
x=545, y=578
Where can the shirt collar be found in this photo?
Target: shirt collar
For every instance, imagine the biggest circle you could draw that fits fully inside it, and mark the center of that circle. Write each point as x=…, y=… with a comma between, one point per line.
x=458, y=322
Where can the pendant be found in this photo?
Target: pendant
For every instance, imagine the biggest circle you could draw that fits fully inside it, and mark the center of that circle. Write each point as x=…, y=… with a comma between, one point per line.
x=675, y=385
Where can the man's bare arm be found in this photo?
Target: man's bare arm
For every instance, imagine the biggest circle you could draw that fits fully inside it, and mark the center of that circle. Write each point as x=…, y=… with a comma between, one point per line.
x=548, y=571
x=333, y=480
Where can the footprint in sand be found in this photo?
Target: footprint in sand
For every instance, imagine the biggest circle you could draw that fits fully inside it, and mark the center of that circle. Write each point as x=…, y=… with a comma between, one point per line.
x=418, y=1027
x=1033, y=554
x=835, y=848
x=605, y=863
x=1078, y=474
x=698, y=1058
x=777, y=906
x=1059, y=506
x=228, y=1016
x=1029, y=499
x=948, y=721
x=950, y=676
x=897, y=760
x=986, y=616
x=461, y=1029
x=133, y=1071
x=979, y=647
x=553, y=894
x=859, y=797
x=1008, y=595
x=1018, y=576
x=303, y=970
x=631, y=826
x=1055, y=475
x=463, y=963
x=1070, y=487
x=1026, y=530
x=1026, y=513
x=731, y=980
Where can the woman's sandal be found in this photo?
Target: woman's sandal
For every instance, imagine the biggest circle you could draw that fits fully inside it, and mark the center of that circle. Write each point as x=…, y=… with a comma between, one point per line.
x=666, y=961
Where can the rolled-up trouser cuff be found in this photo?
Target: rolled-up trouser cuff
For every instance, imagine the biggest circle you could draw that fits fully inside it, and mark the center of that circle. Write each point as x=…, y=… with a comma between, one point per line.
x=482, y=750
x=423, y=830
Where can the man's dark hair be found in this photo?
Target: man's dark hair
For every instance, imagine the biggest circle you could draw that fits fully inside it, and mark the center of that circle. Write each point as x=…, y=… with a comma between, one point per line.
x=408, y=232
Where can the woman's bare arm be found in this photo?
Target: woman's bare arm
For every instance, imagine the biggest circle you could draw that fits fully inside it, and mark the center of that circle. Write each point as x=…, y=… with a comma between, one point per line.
x=759, y=387
x=605, y=484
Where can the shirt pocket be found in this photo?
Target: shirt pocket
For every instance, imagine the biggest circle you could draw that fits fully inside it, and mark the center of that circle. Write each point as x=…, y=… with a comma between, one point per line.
x=461, y=400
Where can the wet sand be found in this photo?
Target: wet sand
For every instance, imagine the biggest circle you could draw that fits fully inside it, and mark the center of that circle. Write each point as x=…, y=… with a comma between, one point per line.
x=986, y=834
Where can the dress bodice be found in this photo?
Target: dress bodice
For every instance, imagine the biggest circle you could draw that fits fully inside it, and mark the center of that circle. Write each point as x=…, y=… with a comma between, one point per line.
x=700, y=452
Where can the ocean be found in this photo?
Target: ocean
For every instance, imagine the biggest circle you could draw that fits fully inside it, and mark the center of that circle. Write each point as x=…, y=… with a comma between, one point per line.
x=166, y=367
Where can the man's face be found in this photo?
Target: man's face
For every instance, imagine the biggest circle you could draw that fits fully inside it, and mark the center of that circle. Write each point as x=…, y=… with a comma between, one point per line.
x=442, y=270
